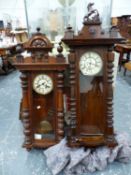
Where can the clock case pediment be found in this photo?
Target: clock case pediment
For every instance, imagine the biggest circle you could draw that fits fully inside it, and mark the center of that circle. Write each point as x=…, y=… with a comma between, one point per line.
x=38, y=42
x=91, y=34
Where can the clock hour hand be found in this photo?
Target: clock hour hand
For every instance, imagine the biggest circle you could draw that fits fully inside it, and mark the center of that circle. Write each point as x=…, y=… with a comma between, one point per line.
x=40, y=85
x=43, y=83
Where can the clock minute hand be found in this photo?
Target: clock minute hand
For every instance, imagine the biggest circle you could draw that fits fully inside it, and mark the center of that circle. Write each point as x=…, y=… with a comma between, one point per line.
x=47, y=86
x=38, y=85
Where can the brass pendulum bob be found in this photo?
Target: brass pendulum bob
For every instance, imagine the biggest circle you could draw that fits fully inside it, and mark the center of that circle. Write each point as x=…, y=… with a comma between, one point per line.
x=44, y=127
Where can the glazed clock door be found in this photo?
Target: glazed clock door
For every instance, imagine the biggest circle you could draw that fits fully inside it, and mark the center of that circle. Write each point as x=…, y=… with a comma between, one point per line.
x=91, y=96
x=44, y=113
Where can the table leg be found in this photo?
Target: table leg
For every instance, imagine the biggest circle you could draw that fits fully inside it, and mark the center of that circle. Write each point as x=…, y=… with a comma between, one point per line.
x=5, y=64
x=120, y=60
x=127, y=59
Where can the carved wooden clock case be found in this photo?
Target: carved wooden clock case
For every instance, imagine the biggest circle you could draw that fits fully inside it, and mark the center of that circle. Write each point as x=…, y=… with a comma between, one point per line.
x=91, y=76
x=42, y=86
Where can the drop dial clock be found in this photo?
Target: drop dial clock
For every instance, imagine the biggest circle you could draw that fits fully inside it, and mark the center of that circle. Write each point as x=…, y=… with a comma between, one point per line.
x=91, y=76
x=42, y=104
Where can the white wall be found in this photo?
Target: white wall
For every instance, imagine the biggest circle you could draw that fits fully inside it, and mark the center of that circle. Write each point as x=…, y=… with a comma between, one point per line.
x=121, y=7
x=13, y=10
x=38, y=11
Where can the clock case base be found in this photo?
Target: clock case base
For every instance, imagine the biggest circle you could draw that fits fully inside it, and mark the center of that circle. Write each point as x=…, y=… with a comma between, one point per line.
x=90, y=141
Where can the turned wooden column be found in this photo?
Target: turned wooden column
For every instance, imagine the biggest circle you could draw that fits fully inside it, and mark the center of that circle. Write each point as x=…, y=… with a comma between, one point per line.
x=60, y=106
x=25, y=112
x=109, y=100
x=72, y=77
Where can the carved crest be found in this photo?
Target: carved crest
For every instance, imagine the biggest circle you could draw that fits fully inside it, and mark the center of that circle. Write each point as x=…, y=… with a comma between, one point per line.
x=92, y=15
x=39, y=45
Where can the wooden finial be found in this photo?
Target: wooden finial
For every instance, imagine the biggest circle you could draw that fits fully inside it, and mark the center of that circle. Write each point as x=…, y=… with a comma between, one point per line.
x=38, y=29
x=19, y=57
x=69, y=28
x=69, y=33
x=60, y=50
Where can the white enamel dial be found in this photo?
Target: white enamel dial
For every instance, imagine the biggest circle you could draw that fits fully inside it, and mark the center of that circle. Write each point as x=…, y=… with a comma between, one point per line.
x=43, y=84
x=90, y=63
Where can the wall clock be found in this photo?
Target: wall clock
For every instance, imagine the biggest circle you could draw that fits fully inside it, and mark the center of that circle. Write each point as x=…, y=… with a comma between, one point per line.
x=91, y=94
x=42, y=78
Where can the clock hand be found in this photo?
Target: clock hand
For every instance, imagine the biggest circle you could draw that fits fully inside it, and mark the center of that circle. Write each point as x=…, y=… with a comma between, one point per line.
x=47, y=86
x=43, y=83
x=40, y=85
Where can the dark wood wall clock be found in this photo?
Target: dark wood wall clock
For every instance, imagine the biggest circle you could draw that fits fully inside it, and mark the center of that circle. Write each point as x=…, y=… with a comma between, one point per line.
x=42, y=77
x=91, y=76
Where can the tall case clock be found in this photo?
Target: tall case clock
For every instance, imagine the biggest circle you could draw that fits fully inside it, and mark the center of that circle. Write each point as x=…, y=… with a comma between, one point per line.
x=91, y=76
x=42, y=79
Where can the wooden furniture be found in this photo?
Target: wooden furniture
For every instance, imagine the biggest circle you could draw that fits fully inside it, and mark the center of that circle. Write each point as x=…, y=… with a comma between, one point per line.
x=127, y=66
x=124, y=25
x=123, y=49
x=21, y=35
x=91, y=93
x=1, y=25
x=42, y=79
x=5, y=53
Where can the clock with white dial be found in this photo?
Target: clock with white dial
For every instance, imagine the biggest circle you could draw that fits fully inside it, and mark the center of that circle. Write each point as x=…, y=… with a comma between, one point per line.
x=43, y=84
x=90, y=63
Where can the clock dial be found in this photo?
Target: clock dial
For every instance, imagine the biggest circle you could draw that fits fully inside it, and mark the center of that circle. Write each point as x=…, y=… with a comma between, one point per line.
x=43, y=84
x=90, y=63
